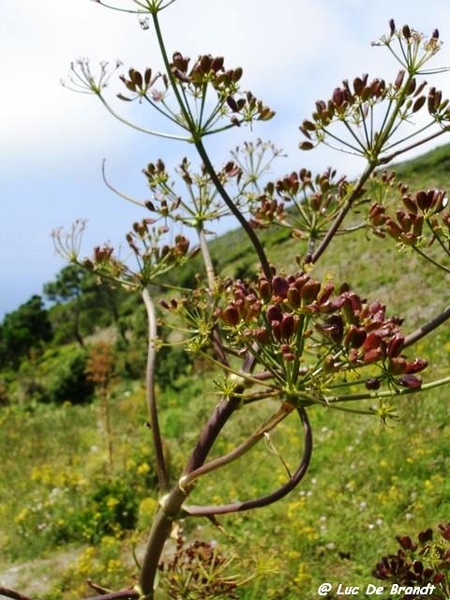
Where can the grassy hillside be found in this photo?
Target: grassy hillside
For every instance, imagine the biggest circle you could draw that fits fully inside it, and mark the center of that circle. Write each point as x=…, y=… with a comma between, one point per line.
x=64, y=494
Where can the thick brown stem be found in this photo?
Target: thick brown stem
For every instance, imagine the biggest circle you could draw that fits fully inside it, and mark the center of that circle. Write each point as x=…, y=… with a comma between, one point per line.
x=9, y=593
x=213, y=427
x=162, y=525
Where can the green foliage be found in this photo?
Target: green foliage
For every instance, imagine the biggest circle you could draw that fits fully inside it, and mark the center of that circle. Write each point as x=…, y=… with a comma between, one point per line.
x=71, y=383
x=24, y=331
x=62, y=493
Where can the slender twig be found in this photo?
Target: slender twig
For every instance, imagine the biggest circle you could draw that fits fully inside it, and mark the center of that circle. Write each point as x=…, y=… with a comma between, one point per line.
x=387, y=159
x=428, y=327
x=14, y=594
x=161, y=134
x=116, y=191
x=151, y=393
x=281, y=492
x=240, y=450
x=265, y=266
x=354, y=195
x=211, y=277
x=431, y=260
x=121, y=595
x=207, y=260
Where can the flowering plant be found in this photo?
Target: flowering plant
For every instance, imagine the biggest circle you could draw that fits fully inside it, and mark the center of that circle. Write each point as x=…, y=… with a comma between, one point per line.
x=293, y=337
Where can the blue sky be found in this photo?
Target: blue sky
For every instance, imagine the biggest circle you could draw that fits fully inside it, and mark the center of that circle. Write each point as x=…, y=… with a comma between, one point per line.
x=53, y=140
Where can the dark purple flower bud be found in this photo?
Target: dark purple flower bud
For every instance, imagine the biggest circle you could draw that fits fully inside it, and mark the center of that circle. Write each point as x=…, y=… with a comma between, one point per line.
x=274, y=313
x=373, y=355
x=395, y=346
x=287, y=326
x=406, y=542
x=410, y=381
x=423, y=200
x=358, y=85
x=418, y=103
x=406, y=31
x=397, y=366
x=377, y=214
x=355, y=337
x=338, y=97
x=300, y=281
x=392, y=26
x=372, y=384
x=276, y=330
x=280, y=286
x=444, y=530
x=232, y=104
x=425, y=536
x=334, y=328
x=373, y=340
x=399, y=79
x=320, y=106
x=410, y=204
x=393, y=229
x=287, y=353
x=412, y=87
x=308, y=126
x=262, y=335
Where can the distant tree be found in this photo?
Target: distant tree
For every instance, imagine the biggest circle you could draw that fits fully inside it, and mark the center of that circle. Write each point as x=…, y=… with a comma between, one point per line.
x=24, y=330
x=71, y=383
x=68, y=288
x=82, y=299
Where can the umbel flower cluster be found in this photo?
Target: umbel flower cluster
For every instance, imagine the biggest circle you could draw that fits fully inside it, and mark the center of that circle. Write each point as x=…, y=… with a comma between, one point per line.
x=305, y=338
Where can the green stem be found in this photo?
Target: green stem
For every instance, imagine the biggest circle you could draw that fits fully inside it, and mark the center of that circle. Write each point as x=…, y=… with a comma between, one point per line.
x=389, y=394
x=151, y=392
x=137, y=127
x=184, y=111
x=430, y=260
x=207, y=261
